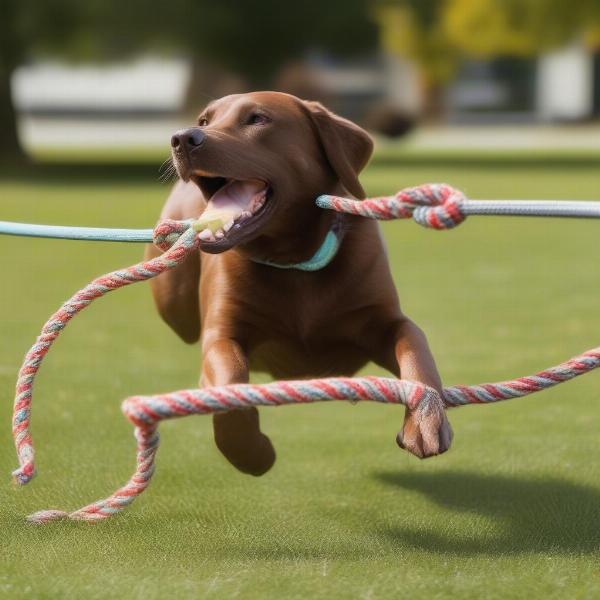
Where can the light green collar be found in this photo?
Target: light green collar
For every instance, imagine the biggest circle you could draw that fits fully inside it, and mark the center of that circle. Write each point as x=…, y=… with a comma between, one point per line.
x=320, y=259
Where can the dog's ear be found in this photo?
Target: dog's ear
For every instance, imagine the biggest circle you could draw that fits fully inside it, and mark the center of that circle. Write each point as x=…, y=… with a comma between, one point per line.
x=347, y=146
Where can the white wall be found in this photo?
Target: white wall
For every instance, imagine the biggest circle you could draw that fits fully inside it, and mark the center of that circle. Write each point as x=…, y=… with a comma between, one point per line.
x=146, y=83
x=402, y=84
x=565, y=84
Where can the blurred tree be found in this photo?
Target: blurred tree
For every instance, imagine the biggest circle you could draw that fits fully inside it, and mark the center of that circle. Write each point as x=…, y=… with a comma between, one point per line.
x=254, y=38
x=33, y=27
x=250, y=38
x=488, y=28
x=436, y=33
x=10, y=56
x=415, y=30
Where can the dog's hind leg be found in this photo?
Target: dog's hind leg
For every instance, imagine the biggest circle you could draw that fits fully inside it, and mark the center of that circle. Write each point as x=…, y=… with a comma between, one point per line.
x=176, y=292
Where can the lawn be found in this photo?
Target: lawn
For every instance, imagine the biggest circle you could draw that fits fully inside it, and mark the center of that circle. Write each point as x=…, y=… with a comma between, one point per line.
x=512, y=511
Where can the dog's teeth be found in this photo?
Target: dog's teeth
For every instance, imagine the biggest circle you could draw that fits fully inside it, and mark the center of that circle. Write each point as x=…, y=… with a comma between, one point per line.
x=206, y=235
x=245, y=215
x=258, y=203
x=219, y=234
x=228, y=225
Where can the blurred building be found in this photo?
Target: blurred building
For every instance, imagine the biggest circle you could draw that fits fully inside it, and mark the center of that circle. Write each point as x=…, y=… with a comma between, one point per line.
x=135, y=103
x=561, y=86
x=77, y=105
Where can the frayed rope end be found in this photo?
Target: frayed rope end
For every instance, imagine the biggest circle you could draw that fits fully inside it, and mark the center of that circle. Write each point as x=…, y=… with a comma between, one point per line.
x=23, y=475
x=89, y=514
x=45, y=516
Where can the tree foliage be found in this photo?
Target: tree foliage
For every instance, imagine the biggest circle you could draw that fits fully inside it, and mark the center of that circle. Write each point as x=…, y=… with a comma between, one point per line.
x=255, y=37
x=249, y=37
x=435, y=33
x=415, y=29
x=488, y=28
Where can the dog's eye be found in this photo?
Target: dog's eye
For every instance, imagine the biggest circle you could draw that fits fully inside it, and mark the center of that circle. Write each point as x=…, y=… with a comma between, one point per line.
x=202, y=122
x=258, y=119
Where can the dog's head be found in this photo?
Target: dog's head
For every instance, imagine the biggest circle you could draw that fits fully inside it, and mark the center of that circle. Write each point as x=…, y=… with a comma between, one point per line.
x=261, y=159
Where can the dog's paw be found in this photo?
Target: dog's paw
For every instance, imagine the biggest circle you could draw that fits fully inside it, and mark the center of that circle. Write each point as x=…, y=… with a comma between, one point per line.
x=426, y=431
x=238, y=437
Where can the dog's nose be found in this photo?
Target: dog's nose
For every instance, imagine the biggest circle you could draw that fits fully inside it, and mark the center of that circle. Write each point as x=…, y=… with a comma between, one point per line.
x=190, y=138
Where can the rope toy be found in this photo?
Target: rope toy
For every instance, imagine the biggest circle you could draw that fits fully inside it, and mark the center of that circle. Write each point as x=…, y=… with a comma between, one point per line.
x=436, y=206
x=418, y=202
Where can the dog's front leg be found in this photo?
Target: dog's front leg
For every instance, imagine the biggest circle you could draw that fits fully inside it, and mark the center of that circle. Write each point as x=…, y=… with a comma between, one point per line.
x=426, y=431
x=237, y=432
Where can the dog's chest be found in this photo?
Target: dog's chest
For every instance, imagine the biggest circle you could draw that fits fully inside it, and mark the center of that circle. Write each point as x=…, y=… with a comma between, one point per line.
x=311, y=335
x=306, y=309
x=289, y=358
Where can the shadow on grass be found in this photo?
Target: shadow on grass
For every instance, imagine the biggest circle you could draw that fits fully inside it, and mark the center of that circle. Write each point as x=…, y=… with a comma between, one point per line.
x=528, y=515
x=474, y=515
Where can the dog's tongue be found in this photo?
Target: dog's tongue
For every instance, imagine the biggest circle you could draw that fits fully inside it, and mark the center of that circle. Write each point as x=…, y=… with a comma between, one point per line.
x=232, y=200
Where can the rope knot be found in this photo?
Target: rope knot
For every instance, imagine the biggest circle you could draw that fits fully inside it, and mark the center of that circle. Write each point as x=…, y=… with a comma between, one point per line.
x=438, y=205
x=167, y=232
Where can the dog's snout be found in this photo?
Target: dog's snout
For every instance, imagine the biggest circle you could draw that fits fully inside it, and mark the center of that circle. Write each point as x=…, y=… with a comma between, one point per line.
x=188, y=138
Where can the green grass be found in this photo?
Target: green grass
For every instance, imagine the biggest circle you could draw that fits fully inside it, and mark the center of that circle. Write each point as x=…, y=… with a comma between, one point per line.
x=512, y=511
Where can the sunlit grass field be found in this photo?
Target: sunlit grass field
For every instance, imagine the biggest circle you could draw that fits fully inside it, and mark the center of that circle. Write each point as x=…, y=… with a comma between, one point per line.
x=512, y=511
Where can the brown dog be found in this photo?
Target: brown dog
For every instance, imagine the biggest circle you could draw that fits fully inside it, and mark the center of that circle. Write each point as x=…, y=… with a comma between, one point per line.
x=258, y=161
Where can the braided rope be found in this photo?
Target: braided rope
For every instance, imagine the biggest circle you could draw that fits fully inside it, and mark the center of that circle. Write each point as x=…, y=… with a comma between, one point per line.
x=436, y=206
x=440, y=206
x=187, y=243
x=441, y=201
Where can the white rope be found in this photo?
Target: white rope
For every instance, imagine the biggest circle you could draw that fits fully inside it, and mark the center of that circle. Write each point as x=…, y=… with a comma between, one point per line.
x=533, y=208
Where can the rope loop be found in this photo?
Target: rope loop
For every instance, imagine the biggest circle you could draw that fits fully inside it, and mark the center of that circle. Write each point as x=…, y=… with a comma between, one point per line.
x=180, y=240
x=436, y=205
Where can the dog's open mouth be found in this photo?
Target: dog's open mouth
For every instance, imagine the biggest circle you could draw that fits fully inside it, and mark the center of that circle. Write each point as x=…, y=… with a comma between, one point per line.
x=235, y=210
